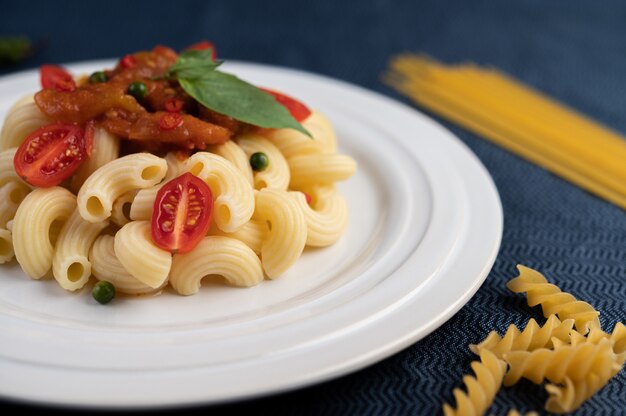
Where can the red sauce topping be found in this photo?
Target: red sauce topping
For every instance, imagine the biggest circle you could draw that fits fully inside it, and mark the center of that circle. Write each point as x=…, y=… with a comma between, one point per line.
x=166, y=115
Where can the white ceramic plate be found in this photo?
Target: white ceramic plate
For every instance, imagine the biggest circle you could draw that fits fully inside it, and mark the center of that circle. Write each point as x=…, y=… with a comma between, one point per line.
x=425, y=227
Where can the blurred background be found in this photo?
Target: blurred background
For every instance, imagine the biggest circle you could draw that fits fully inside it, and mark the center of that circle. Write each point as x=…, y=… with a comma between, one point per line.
x=573, y=50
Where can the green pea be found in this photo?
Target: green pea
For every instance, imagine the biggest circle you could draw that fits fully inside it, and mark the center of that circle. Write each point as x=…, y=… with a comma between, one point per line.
x=259, y=161
x=97, y=77
x=103, y=292
x=138, y=90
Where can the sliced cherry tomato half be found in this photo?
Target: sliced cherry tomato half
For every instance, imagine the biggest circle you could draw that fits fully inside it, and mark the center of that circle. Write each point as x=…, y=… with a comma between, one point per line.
x=52, y=153
x=56, y=78
x=181, y=213
x=298, y=110
x=203, y=45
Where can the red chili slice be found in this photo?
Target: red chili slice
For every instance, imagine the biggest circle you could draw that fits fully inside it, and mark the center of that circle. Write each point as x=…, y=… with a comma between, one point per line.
x=128, y=61
x=173, y=105
x=182, y=213
x=56, y=78
x=298, y=110
x=203, y=45
x=170, y=121
x=52, y=153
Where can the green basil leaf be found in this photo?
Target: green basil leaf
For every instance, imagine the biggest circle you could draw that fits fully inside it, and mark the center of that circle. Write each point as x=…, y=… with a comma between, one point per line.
x=229, y=95
x=193, y=64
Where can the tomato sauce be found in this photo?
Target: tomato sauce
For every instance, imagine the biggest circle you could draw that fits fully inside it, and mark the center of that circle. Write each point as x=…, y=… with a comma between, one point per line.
x=111, y=106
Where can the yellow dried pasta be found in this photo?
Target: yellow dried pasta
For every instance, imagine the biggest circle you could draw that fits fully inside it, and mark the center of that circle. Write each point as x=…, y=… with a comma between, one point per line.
x=532, y=337
x=481, y=388
x=553, y=300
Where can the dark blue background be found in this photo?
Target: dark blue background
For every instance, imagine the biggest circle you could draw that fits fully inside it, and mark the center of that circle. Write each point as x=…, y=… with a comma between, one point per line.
x=573, y=50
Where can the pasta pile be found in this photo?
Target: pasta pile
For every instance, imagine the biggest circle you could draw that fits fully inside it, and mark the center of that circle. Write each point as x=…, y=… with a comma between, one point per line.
x=570, y=351
x=98, y=222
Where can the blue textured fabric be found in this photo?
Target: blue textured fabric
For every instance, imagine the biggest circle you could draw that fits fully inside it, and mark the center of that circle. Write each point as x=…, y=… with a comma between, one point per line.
x=574, y=51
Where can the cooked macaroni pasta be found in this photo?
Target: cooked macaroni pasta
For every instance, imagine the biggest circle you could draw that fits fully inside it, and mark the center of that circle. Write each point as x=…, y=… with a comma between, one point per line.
x=22, y=119
x=106, y=148
x=215, y=255
x=6, y=246
x=70, y=265
x=276, y=175
x=232, y=193
x=34, y=228
x=105, y=266
x=141, y=258
x=287, y=234
x=135, y=171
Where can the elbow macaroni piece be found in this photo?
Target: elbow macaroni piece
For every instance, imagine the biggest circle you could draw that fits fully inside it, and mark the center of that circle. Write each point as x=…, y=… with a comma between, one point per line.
x=11, y=196
x=141, y=258
x=251, y=233
x=106, y=148
x=291, y=142
x=143, y=203
x=6, y=246
x=135, y=171
x=232, y=193
x=288, y=228
x=120, y=212
x=106, y=266
x=7, y=170
x=215, y=255
x=33, y=228
x=326, y=224
x=232, y=152
x=307, y=170
x=553, y=301
x=70, y=265
x=22, y=119
x=276, y=175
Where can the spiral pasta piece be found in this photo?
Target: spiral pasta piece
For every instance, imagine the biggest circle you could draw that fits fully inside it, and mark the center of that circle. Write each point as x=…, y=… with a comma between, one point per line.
x=617, y=338
x=553, y=301
x=532, y=337
x=572, y=394
x=106, y=266
x=232, y=193
x=215, y=255
x=573, y=361
x=287, y=236
x=23, y=118
x=135, y=171
x=481, y=388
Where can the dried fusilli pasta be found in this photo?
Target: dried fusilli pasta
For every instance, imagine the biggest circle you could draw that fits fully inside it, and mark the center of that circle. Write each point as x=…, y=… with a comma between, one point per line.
x=481, y=389
x=532, y=337
x=553, y=300
x=571, y=361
